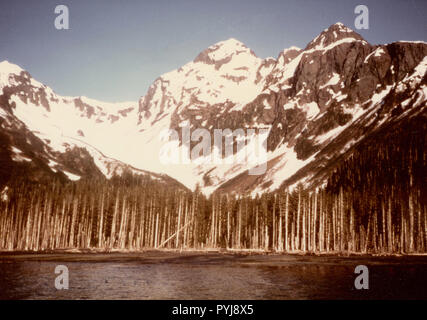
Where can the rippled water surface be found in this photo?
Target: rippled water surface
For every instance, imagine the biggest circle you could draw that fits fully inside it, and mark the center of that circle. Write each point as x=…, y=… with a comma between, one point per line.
x=192, y=275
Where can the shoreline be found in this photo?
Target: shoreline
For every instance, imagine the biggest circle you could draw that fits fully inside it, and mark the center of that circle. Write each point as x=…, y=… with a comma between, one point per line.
x=205, y=251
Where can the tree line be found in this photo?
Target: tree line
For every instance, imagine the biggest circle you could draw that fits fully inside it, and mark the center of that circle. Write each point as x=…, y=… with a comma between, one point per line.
x=143, y=214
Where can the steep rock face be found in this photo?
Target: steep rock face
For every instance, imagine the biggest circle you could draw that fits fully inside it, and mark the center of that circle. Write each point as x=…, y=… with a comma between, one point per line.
x=324, y=90
x=386, y=108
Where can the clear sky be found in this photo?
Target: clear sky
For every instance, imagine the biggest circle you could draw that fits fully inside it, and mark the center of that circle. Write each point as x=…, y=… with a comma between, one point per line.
x=114, y=50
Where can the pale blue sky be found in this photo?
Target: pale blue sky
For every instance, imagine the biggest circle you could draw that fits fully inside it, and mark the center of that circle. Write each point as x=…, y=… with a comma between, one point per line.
x=115, y=49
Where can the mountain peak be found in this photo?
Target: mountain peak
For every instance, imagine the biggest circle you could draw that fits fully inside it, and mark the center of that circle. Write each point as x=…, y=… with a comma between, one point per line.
x=339, y=27
x=7, y=68
x=223, y=51
x=286, y=51
x=231, y=42
x=288, y=54
x=333, y=33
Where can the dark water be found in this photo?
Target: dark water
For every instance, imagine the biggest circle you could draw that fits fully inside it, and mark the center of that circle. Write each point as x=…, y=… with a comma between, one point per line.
x=168, y=275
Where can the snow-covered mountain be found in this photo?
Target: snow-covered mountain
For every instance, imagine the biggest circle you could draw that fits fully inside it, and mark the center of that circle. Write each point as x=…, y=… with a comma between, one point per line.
x=69, y=135
x=317, y=103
